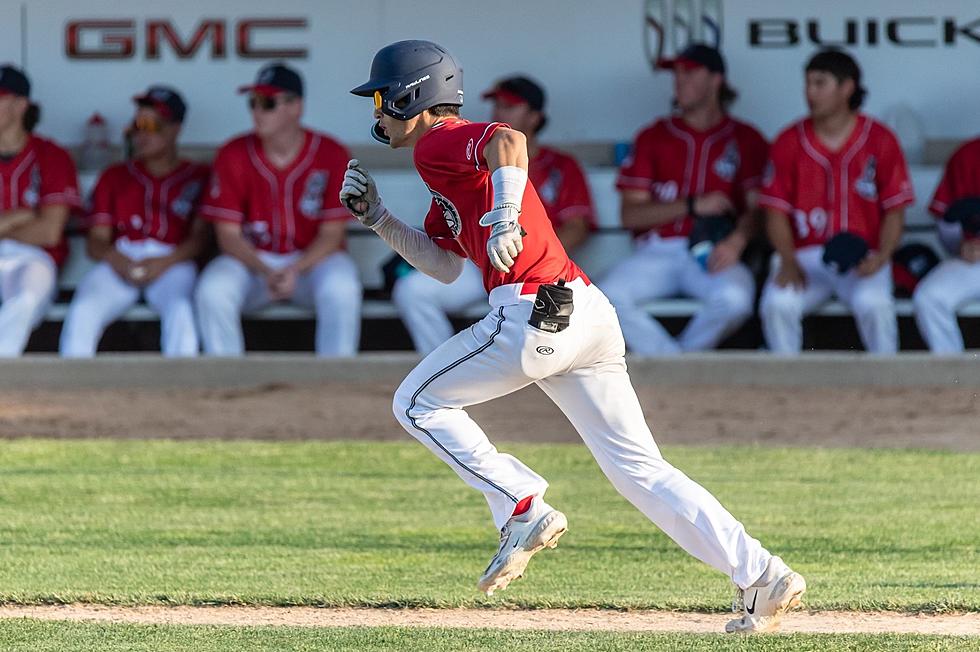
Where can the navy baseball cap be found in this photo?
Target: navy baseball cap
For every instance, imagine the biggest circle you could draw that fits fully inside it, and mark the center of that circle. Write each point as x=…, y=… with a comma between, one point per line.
x=517, y=90
x=696, y=55
x=845, y=251
x=165, y=101
x=13, y=81
x=275, y=78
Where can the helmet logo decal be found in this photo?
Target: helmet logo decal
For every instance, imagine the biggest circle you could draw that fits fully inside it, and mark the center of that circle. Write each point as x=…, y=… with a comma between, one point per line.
x=417, y=81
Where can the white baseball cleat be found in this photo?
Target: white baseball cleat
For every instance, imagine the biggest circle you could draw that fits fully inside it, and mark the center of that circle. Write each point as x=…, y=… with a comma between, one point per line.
x=522, y=536
x=764, y=603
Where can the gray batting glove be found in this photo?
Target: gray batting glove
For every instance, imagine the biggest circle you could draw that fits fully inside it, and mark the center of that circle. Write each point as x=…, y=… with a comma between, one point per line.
x=360, y=195
x=506, y=237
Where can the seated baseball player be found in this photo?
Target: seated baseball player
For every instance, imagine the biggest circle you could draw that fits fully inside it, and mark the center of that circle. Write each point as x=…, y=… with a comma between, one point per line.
x=423, y=301
x=835, y=194
x=688, y=195
x=38, y=189
x=955, y=281
x=281, y=229
x=144, y=235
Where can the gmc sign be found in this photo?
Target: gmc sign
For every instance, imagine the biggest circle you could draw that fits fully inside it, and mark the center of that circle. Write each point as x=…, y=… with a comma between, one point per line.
x=120, y=39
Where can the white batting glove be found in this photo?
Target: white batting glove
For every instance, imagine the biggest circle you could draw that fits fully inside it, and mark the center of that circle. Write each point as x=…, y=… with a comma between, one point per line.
x=360, y=194
x=506, y=237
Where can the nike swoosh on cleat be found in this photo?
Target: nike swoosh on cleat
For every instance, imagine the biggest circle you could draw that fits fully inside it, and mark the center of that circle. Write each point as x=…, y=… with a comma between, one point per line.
x=751, y=610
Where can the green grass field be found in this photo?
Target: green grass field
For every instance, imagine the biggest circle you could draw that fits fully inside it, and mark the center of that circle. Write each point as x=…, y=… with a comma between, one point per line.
x=33, y=636
x=386, y=524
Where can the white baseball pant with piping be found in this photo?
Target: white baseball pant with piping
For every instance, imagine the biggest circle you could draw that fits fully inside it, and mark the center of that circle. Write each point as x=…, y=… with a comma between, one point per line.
x=28, y=283
x=937, y=298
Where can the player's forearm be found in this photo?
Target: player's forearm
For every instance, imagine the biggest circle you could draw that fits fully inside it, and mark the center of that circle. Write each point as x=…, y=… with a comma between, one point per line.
x=234, y=245
x=11, y=220
x=418, y=249
x=328, y=242
x=891, y=232
x=780, y=234
x=46, y=230
x=572, y=233
x=646, y=213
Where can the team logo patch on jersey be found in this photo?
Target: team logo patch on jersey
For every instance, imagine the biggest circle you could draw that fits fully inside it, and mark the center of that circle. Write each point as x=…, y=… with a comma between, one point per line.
x=665, y=191
x=182, y=205
x=727, y=164
x=449, y=212
x=33, y=191
x=865, y=186
x=551, y=187
x=312, y=200
x=469, y=150
x=257, y=232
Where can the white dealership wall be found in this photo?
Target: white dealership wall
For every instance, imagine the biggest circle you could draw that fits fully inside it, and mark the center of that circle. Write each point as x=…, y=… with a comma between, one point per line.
x=589, y=55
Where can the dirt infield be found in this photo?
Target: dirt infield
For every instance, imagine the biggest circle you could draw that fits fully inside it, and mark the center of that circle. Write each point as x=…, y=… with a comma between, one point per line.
x=928, y=417
x=827, y=622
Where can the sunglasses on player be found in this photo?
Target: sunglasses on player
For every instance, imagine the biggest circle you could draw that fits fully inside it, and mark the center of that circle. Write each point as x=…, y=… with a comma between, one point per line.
x=268, y=102
x=146, y=124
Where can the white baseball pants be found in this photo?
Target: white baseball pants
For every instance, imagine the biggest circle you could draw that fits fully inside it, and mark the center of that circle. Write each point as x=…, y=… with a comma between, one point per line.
x=869, y=299
x=582, y=369
x=28, y=283
x=664, y=267
x=424, y=303
x=103, y=296
x=332, y=288
x=937, y=298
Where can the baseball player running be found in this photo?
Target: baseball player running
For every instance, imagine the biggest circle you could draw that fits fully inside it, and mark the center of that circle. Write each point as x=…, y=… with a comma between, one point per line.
x=279, y=225
x=837, y=177
x=690, y=183
x=423, y=301
x=956, y=281
x=548, y=325
x=38, y=189
x=143, y=233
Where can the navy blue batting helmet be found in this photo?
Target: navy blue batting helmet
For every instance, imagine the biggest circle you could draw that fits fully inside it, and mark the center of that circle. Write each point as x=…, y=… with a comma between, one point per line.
x=408, y=77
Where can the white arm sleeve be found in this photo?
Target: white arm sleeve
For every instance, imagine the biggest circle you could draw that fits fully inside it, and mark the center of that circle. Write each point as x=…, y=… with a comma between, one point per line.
x=418, y=249
x=950, y=234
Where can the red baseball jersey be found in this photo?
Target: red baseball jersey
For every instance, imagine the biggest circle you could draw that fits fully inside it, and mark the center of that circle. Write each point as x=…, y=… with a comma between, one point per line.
x=42, y=174
x=280, y=210
x=825, y=192
x=961, y=178
x=561, y=186
x=672, y=161
x=140, y=206
x=450, y=159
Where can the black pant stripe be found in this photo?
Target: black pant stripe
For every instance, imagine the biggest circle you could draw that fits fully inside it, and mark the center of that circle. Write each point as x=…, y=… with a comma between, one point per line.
x=408, y=411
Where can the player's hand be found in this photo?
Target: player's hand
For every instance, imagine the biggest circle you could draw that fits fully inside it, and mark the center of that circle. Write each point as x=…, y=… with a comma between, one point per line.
x=282, y=283
x=713, y=203
x=970, y=250
x=726, y=253
x=506, y=239
x=146, y=271
x=790, y=274
x=120, y=264
x=871, y=264
x=360, y=195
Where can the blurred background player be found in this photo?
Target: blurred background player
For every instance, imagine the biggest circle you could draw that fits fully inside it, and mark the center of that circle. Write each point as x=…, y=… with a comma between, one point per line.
x=836, y=172
x=143, y=232
x=692, y=179
x=423, y=301
x=39, y=189
x=274, y=203
x=955, y=281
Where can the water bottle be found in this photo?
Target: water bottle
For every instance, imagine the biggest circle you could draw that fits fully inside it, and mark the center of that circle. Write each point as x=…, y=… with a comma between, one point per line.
x=95, y=153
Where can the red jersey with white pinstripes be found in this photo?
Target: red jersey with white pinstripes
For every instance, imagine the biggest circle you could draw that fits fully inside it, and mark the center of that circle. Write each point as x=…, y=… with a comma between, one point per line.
x=280, y=210
x=672, y=161
x=140, y=206
x=450, y=159
x=561, y=186
x=825, y=192
x=41, y=174
x=960, y=179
